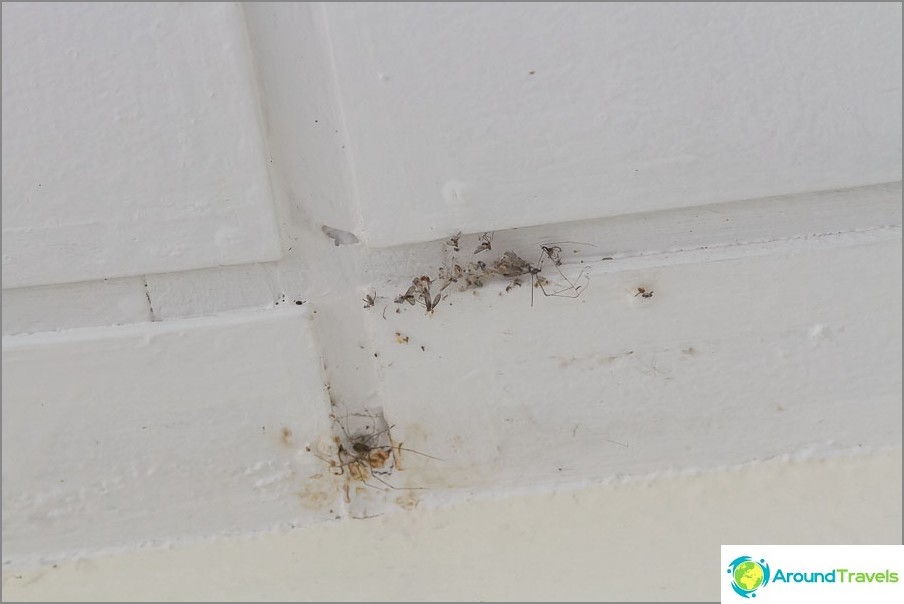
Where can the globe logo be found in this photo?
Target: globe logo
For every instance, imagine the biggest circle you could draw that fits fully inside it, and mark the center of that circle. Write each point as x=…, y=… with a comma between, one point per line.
x=748, y=575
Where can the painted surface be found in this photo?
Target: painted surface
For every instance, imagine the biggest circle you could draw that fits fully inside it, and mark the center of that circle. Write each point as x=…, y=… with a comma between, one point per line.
x=653, y=540
x=487, y=116
x=311, y=161
x=716, y=367
x=83, y=304
x=745, y=351
x=161, y=434
x=204, y=382
x=135, y=148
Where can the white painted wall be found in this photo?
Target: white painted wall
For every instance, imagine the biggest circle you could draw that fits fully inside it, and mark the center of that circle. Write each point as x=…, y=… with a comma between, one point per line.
x=131, y=142
x=170, y=432
x=177, y=328
x=498, y=115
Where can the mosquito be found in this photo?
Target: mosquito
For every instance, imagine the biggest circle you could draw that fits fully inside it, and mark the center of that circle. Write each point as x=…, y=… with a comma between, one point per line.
x=486, y=243
x=410, y=296
x=453, y=242
x=511, y=265
x=369, y=300
x=449, y=276
x=422, y=287
x=553, y=253
x=419, y=292
x=431, y=304
x=516, y=282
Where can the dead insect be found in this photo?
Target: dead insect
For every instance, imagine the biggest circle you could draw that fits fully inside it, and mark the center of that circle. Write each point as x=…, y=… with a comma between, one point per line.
x=643, y=293
x=553, y=252
x=453, y=241
x=449, y=276
x=515, y=283
x=369, y=300
x=362, y=453
x=575, y=285
x=652, y=370
x=410, y=296
x=486, y=243
x=431, y=304
x=422, y=292
x=364, y=450
x=513, y=265
x=400, y=338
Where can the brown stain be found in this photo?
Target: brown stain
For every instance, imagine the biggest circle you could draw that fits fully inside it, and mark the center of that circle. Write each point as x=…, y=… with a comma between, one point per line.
x=353, y=469
x=319, y=492
x=313, y=499
x=285, y=436
x=408, y=501
x=396, y=455
x=377, y=457
x=357, y=471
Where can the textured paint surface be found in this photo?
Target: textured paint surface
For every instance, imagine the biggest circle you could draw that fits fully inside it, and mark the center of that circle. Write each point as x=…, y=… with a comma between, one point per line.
x=745, y=351
x=161, y=434
x=134, y=149
x=651, y=540
x=511, y=115
x=83, y=304
x=764, y=352
x=715, y=368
